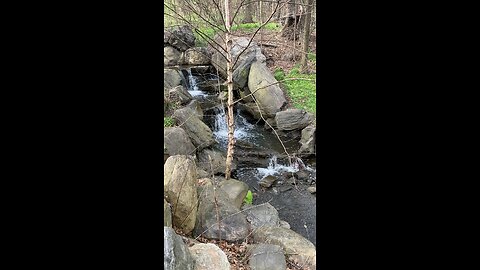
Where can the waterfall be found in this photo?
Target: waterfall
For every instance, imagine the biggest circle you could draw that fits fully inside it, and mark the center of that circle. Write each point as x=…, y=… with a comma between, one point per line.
x=220, y=129
x=193, y=87
x=274, y=167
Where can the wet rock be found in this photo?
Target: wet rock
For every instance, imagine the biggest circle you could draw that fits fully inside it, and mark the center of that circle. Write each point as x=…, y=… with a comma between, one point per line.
x=269, y=123
x=252, y=109
x=209, y=159
x=302, y=175
x=201, y=69
x=172, y=78
x=172, y=56
x=209, y=257
x=293, y=119
x=180, y=37
x=267, y=181
x=196, y=107
x=215, y=206
x=295, y=246
x=167, y=214
x=236, y=190
x=200, y=134
x=177, y=142
x=266, y=257
x=179, y=186
x=284, y=224
x=261, y=215
x=175, y=253
x=263, y=85
x=197, y=56
x=308, y=140
x=179, y=94
x=312, y=189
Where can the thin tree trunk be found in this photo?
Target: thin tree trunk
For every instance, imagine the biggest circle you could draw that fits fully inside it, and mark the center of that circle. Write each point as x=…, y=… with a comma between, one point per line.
x=231, y=128
x=248, y=14
x=306, y=36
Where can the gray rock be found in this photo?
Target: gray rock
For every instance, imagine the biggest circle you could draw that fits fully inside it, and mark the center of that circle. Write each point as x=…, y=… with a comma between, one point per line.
x=172, y=56
x=295, y=246
x=263, y=85
x=312, y=189
x=197, y=56
x=202, y=174
x=236, y=190
x=244, y=94
x=253, y=109
x=241, y=69
x=209, y=160
x=180, y=189
x=292, y=119
x=302, y=175
x=308, y=140
x=177, y=142
x=200, y=134
x=223, y=97
x=179, y=94
x=266, y=257
x=267, y=181
x=195, y=106
x=261, y=215
x=284, y=224
x=167, y=214
x=209, y=257
x=180, y=37
x=175, y=253
x=172, y=78
x=218, y=217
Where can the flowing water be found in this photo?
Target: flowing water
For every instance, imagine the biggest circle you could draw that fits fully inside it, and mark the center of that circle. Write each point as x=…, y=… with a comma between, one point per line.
x=293, y=202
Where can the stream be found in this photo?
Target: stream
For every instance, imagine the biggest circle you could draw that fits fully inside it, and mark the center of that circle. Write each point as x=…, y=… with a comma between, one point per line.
x=293, y=202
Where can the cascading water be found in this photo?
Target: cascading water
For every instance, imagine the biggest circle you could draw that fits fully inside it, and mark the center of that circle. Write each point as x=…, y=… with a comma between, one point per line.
x=274, y=167
x=192, y=82
x=220, y=130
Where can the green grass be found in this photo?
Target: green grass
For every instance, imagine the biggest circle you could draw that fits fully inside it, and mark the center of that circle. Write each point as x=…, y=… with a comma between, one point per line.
x=250, y=27
x=301, y=92
x=168, y=122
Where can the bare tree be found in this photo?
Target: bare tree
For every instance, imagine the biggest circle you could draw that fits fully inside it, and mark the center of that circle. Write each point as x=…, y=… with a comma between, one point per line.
x=248, y=13
x=306, y=36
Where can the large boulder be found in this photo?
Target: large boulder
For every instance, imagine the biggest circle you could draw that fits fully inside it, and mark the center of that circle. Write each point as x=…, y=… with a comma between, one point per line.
x=175, y=253
x=177, y=142
x=218, y=217
x=179, y=94
x=179, y=186
x=295, y=246
x=200, y=134
x=293, y=119
x=265, y=89
x=180, y=37
x=308, y=140
x=197, y=56
x=266, y=257
x=242, y=67
x=209, y=159
x=167, y=214
x=172, y=78
x=236, y=190
x=261, y=215
x=195, y=105
x=172, y=56
x=209, y=257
